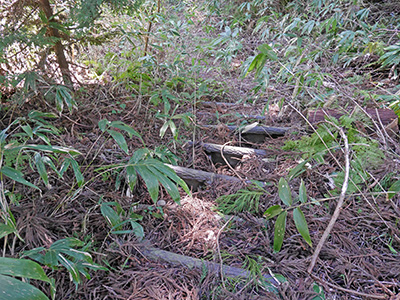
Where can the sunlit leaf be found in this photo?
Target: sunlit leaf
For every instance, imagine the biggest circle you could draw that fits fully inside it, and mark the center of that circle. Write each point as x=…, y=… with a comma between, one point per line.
x=249, y=127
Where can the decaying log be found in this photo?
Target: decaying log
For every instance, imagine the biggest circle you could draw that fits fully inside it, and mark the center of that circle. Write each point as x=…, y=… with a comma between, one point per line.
x=387, y=117
x=260, y=130
x=237, y=115
x=195, y=178
x=223, y=104
x=231, y=150
x=189, y=262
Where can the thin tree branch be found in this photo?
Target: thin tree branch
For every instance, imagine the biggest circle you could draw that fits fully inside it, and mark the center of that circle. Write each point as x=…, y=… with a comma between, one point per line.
x=339, y=204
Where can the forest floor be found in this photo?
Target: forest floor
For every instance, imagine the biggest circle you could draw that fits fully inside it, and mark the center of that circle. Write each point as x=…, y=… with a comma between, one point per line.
x=357, y=261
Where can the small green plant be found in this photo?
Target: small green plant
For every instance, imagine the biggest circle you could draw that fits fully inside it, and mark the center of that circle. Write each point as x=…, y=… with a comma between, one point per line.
x=15, y=150
x=243, y=200
x=391, y=56
x=285, y=195
x=152, y=171
x=119, y=220
x=325, y=140
x=105, y=126
x=12, y=288
x=69, y=253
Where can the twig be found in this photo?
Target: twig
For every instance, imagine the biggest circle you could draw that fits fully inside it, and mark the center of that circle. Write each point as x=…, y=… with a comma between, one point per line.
x=339, y=204
x=368, y=296
x=226, y=161
x=219, y=252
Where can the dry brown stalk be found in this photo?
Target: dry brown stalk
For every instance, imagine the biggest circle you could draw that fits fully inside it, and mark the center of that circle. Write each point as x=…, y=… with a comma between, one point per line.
x=339, y=204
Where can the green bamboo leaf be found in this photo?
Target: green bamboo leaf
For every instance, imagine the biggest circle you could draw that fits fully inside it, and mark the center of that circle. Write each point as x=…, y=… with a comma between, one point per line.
x=119, y=138
x=110, y=215
x=164, y=168
x=44, y=138
x=273, y=211
x=5, y=230
x=67, y=243
x=299, y=169
x=131, y=176
x=301, y=225
x=255, y=63
x=38, y=115
x=22, y=268
x=11, y=288
x=163, y=129
x=47, y=148
x=268, y=51
x=393, y=190
x=150, y=180
x=28, y=130
x=78, y=175
x=16, y=176
x=138, y=230
x=64, y=167
x=302, y=192
x=169, y=186
x=103, y=124
x=172, y=126
x=128, y=129
x=284, y=192
x=63, y=95
x=280, y=227
x=50, y=258
x=71, y=267
x=41, y=169
x=59, y=102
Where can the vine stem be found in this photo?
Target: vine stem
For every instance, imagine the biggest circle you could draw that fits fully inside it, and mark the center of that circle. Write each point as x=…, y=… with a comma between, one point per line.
x=340, y=201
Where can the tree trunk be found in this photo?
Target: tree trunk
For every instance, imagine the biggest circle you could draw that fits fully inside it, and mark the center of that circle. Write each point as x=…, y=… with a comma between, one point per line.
x=58, y=47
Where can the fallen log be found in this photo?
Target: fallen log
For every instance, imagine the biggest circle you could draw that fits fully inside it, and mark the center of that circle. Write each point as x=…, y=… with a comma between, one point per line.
x=382, y=117
x=261, y=130
x=231, y=150
x=237, y=115
x=195, y=178
x=189, y=262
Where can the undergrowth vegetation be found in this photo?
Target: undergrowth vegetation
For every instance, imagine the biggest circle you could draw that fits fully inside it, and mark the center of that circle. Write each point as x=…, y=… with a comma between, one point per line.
x=159, y=61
